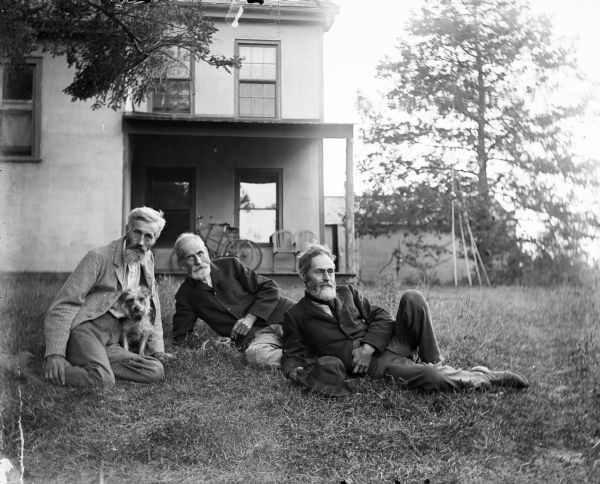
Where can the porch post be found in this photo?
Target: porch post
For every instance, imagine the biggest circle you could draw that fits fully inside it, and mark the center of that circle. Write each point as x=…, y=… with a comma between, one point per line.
x=126, y=182
x=350, y=254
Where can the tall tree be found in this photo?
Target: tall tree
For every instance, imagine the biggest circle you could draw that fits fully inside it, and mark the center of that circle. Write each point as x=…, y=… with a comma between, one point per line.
x=484, y=90
x=117, y=48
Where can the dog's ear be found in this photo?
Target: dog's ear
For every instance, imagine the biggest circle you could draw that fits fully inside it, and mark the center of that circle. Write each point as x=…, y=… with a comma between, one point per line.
x=145, y=291
x=124, y=295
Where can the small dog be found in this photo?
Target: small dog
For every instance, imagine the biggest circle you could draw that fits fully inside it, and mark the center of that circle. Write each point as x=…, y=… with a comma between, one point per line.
x=138, y=315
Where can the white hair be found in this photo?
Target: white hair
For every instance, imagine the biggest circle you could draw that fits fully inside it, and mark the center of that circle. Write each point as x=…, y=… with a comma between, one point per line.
x=182, y=238
x=150, y=215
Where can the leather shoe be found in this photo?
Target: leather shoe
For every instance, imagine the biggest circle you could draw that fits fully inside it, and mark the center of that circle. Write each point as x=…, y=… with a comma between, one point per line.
x=504, y=378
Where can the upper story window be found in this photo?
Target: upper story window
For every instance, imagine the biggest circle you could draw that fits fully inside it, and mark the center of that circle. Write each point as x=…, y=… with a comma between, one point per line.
x=20, y=110
x=258, y=80
x=175, y=93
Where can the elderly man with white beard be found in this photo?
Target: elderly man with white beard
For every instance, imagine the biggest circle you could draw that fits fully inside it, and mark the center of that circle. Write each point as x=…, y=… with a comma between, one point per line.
x=82, y=325
x=233, y=300
x=335, y=326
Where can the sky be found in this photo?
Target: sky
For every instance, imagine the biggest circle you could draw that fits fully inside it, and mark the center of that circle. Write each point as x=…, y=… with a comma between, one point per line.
x=364, y=32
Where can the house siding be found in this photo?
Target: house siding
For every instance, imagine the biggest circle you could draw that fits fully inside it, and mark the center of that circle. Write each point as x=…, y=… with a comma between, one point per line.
x=90, y=173
x=300, y=71
x=54, y=210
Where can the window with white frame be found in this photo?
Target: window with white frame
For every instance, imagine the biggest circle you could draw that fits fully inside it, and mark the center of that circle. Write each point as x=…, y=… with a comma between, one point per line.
x=258, y=76
x=258, y=200
x=20, y=110
x=175, y=93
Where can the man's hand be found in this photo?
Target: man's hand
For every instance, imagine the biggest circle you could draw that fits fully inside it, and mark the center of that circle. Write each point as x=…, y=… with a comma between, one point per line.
x=293, y=375
x=163, y=357
x=54, y=369
x=243, y=325
x=361, y=358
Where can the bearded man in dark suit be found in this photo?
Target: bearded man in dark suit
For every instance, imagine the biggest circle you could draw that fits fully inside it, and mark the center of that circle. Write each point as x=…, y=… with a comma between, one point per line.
x=233, y=300
x=338, y=321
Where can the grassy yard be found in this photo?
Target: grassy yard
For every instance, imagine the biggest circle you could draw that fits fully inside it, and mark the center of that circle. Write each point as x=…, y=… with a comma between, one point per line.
x=214, y=419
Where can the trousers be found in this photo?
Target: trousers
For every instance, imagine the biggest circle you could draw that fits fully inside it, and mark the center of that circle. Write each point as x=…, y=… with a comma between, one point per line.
x=97, y=358
x=266, y=347
x=413, y=356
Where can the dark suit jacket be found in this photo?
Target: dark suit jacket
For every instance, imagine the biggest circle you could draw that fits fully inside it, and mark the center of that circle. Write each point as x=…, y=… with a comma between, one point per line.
x=236, y=291
x=309, y=332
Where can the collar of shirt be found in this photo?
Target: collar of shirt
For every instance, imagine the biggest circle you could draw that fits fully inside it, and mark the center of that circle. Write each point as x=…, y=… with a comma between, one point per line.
x=327, y=306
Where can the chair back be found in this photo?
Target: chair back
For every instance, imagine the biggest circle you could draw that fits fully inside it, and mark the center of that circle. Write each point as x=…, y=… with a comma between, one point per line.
x=282, y=241
x=303, y=239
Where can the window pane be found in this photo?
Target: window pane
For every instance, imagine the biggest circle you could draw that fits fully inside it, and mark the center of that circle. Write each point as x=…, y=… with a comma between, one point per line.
x=245, y=107
x=17, y=83
x=257, y=99
x=16, y=132
x=258, y=195
x=257, y=107
x=260, y=64
x=257, y=55
x=269, y=91
x=170, y=194
x=178, y=221
x=172, y=191
x=269, y=108
x=179, y=69
x=245, y=89
x=245, y=52
x=257, y=225
x=270, y=55
x=257, y=71
x=257, y=90
x=269, y=72
x=174, y=98
x=244, y=72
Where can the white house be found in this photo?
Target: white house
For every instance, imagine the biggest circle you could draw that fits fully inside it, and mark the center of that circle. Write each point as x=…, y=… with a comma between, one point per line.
x=244, y=148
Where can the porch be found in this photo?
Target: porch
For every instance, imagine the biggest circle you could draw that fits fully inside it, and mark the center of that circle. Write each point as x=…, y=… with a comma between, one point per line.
x=259, y=176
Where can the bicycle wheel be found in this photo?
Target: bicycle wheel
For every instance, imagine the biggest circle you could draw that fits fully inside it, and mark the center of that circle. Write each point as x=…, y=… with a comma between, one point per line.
x=246, y=251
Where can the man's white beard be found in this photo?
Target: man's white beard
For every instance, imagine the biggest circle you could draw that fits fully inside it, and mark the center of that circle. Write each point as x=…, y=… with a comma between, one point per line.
x=134, y=255
x=324, y=293
x=201, y=275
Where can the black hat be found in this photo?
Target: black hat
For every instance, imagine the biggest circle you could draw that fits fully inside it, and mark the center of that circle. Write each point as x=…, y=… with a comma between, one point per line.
x=327, y=376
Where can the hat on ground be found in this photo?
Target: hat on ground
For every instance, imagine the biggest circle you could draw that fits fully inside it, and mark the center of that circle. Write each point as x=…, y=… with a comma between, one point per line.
x=327, y=376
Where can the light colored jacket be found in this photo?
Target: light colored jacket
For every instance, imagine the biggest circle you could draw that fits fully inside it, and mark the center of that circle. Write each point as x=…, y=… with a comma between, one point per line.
x=91, y=290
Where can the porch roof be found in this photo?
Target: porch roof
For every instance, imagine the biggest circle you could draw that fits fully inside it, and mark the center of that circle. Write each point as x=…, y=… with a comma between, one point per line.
x=161, y=124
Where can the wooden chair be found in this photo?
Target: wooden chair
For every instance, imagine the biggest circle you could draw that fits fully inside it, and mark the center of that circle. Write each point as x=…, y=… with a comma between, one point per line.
x=283, y=243
x=303, y=239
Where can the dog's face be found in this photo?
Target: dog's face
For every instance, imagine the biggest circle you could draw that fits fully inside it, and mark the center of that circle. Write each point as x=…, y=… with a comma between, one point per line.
x=136, y=302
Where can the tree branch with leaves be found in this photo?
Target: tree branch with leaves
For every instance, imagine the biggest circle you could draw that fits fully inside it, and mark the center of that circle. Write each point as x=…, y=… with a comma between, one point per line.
x=118, y=50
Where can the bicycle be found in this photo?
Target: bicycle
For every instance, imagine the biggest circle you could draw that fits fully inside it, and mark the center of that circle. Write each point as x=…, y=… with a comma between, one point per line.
x=222, y=240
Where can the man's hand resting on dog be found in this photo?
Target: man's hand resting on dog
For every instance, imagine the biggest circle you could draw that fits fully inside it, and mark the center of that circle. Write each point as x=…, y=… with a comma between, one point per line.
x=163, y=357
x=243, y=325
x=54, y=369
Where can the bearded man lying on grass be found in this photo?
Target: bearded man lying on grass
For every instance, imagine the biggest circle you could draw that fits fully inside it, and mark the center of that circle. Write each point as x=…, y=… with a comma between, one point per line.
x=334, y=331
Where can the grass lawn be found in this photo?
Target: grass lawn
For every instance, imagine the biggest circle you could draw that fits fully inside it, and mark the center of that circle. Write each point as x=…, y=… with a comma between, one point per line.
x=214, y=419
